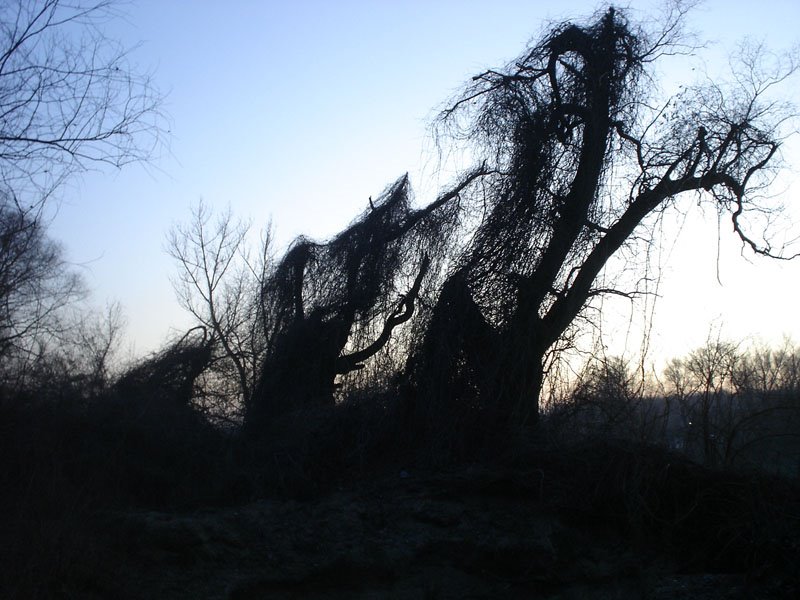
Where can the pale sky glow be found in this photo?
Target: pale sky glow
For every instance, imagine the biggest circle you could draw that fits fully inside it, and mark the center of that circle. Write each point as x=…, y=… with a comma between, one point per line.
x=299, y=111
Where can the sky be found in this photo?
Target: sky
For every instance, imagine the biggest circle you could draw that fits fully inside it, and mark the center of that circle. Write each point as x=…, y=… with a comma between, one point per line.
x=295, y=113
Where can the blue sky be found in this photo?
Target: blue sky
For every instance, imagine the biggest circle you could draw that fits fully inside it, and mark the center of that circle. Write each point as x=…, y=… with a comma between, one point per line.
x=298, y=111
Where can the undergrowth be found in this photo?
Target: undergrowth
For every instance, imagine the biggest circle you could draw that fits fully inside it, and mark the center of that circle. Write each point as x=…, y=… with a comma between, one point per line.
x=65, y=462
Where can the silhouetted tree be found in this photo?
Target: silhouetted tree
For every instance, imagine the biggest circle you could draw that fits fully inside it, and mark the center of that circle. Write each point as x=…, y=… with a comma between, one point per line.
x=219, y=284
x=168, y=376
x=738, y=407
x=611, y=393
x=328, y=307
x=75, y=361
x=574, y=162
x=69, y=99
x=767, y=373
x=35, y=285
x=577, y=162
x=703, y=385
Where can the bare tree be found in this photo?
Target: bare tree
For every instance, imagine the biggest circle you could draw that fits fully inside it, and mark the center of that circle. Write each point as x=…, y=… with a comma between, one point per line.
x=739, y=408
x=767, y=373
x=703, y=385
x=610, y=395
x=97, y=341
x=579, y=160
x=79, y=363
x=767, y=430
x=219, y=283
x=36, y=284
x=69, y=99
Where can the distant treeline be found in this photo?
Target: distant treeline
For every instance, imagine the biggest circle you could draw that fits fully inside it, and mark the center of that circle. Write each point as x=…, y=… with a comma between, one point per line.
x=721, y=405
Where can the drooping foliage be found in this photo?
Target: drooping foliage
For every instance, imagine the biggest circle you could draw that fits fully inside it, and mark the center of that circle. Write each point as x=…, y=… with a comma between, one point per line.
x=560, y=129
x=573, y=160
x=546, y=125
x=168, y=376
x=328, y=307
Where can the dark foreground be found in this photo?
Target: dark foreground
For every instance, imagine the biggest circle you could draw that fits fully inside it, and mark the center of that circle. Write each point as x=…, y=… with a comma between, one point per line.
x=596, y=521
